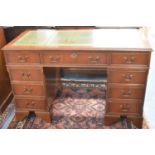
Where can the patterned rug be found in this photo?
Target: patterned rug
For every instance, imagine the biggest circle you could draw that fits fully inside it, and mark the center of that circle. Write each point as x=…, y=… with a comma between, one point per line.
x=74, y=108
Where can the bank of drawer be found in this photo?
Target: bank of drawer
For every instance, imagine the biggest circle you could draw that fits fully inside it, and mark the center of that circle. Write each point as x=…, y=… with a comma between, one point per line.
x=52, y=57
x=26, y=74
x=85, y=57
x=132, y=76
x=22, y=57
x=37, y=104
x=133, y=107
x=130, y=58
x=26, y=89
x=126, y=92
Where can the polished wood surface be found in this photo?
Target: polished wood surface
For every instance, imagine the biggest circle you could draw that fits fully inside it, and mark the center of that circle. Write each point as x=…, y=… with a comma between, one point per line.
x=5, y=88
x=35, y=59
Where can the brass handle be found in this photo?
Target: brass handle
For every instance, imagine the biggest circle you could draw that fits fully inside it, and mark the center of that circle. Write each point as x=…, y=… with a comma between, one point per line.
x=54, y=59
x=23, y=59
x=26, y=76
x=129, y=60
x=28, y=90
x=125, y=110
x=127, y=93
x=94, y=60
x=74, y=55
x=127, y=77
x=125, y=107
x=30, y=104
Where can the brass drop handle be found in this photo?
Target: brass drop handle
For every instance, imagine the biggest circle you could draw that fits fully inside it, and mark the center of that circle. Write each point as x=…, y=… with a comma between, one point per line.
x=125, y=110
x=28, y=90
x=23, y=59
x=129, y=60
x=94, y=60
x=127, y=77
x=54, y=59
x=26, y=76
x=74, y=55
x=127, y=93
x=125, y=107
x=30, y=104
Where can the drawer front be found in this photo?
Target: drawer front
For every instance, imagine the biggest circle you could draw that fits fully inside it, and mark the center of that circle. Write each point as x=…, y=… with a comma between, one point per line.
x=23, y=57
x=133, y=107
x=85, y=57
x=31, y=90
x=130, y=58
x=125, y=92
x=127, y=76
x=26, y=74
x=30, y=104
x=73, y=57
x=52, y=57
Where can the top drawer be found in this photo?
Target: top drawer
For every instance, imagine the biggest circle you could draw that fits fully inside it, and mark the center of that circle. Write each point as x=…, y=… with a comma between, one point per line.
x=22, y=57
x=130, y=58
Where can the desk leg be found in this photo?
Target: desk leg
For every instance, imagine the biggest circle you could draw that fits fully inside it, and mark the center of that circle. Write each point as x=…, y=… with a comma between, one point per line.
x=20, y=115
x=109, y=120
x=46, y=116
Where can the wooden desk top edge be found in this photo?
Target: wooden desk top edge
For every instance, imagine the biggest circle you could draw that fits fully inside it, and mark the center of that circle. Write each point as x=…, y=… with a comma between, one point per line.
x=146, y=46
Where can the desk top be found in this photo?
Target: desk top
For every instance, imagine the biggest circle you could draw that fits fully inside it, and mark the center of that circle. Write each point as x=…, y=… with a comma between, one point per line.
x=92, y=39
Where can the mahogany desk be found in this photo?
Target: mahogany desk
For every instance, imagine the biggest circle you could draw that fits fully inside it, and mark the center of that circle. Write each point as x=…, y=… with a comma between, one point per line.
x=123, y=53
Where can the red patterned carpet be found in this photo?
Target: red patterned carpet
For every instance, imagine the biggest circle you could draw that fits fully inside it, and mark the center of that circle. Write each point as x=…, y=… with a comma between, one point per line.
x=74, y=108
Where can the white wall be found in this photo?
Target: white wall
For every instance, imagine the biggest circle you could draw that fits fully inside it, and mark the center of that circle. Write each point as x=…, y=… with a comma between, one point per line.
x=149, y=104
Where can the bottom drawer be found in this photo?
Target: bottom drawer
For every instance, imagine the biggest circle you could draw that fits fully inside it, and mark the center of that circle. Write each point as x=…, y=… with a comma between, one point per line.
x=37, y=104
x=117, y=106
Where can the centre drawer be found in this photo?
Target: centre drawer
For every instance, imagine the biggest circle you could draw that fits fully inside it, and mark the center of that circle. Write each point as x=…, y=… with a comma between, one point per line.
x=131, y=76
x=37, y=104
x=22, y=57
x=125, y=91
x=26, y=74
x=118, y=106
x=27, y=89
x=74, y=57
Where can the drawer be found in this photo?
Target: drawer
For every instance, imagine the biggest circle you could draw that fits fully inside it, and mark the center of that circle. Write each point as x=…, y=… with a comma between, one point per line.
x=38, y=104
x=22, y=57
x=52, y=57
x=74, y=57
x=133, y=107
x=125, y=92
x=127, y=76
x=130, y=58
x=26, y=89
x=85, y=57
x=26, y=74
